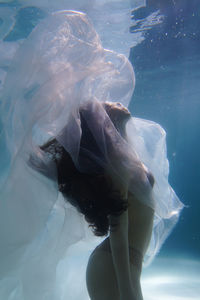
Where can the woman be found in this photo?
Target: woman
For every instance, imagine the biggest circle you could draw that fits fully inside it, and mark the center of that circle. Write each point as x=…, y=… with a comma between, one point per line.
x=61, y=78
x=114, y=267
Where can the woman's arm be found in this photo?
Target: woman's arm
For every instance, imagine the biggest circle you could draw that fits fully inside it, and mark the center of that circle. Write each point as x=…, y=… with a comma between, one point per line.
x=120, y=254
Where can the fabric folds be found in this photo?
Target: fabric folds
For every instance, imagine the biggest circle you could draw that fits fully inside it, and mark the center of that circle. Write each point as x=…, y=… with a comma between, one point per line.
x=59, y=68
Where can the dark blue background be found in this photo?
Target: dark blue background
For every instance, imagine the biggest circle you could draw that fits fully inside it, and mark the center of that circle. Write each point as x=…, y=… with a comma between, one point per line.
x=167, y=65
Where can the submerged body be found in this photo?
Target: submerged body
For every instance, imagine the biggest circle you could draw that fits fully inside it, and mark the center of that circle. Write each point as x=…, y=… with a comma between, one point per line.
x=109, y=196
x=115, y=266
x=101, y=272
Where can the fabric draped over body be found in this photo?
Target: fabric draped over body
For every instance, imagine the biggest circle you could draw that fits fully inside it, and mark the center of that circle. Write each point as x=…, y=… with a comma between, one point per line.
x=59, y=68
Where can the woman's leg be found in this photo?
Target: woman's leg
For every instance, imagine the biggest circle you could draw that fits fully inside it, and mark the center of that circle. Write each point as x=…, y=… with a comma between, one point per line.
x=136, y=259
x=100, y=275
x=140, y=229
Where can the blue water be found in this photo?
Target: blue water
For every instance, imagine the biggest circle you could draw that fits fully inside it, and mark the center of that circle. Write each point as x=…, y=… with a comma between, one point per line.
x=167, y=65
x=166, y=60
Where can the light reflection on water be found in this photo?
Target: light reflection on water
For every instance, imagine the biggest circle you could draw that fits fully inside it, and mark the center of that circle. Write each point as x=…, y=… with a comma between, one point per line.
x=172, y=279
x=167, y=278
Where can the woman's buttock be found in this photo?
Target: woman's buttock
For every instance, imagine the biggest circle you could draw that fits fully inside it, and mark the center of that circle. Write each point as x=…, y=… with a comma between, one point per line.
x=135, y=255
x=100, y=275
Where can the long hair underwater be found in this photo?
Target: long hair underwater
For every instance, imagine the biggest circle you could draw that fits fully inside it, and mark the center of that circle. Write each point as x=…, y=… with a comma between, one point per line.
x=91, y=193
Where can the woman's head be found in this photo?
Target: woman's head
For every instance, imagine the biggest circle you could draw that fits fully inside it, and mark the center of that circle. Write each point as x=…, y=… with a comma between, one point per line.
x=118, y=114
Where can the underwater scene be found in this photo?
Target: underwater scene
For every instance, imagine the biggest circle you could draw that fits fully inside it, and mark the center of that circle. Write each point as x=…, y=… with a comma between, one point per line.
x=84, y=49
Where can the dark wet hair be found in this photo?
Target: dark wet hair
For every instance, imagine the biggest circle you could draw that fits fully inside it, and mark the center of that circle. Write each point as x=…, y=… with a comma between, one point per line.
x=91, y=194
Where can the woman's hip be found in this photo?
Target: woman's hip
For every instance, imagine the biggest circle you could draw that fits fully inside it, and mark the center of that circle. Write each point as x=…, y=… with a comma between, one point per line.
x=100, y=275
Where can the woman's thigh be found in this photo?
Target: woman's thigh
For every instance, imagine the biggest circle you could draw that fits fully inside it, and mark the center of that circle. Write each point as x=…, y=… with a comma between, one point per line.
x=100, y=276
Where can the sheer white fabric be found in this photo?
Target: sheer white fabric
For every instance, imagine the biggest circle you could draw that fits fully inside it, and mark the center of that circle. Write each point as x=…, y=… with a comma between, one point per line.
x=60, y=67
